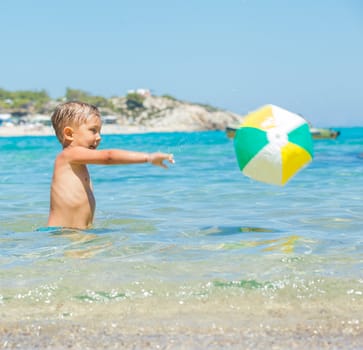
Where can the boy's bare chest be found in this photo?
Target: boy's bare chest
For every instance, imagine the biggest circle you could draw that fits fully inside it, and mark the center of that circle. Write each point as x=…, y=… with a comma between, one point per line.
x=81, y=172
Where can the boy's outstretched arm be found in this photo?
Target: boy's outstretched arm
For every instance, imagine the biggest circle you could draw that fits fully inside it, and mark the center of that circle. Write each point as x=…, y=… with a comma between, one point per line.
x=81, y=155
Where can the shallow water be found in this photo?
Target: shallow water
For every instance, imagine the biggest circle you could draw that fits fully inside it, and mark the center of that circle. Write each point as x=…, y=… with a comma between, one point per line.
x=197, y=233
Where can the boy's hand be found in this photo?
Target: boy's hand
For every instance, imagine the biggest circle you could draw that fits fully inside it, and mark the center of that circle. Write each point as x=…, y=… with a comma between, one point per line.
x=158, y=159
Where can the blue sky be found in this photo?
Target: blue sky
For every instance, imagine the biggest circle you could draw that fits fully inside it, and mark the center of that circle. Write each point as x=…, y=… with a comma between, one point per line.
x=305, y=56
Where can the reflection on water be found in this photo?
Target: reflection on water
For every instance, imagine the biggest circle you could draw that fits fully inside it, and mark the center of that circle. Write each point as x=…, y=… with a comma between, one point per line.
x=233, y=230
x=84, y=244
x=87, y=252
x=284, y=244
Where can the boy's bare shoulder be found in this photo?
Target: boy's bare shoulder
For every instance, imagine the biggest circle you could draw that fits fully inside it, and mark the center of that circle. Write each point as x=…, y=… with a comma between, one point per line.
x=69, y=153
x=66, y=155
x=81, y=155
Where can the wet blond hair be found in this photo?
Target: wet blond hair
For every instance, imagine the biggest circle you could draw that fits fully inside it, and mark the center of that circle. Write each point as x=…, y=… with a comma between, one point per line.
x=72, y=113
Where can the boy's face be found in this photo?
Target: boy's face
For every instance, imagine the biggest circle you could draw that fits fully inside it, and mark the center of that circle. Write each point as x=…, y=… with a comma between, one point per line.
x=88, y=134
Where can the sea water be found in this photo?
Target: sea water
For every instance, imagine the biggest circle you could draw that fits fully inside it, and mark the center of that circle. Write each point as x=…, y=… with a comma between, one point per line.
x=198, y=236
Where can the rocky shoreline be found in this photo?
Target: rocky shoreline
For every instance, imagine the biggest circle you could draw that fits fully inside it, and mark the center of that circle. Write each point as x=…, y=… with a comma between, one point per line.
x=42, y=130
x=154, y=114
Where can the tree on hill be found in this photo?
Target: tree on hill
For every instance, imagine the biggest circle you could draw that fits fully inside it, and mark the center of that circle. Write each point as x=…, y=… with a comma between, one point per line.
x=23, y=99
x=79, y=95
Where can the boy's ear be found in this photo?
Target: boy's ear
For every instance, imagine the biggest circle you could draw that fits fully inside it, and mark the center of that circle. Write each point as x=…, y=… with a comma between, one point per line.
x=68, y=133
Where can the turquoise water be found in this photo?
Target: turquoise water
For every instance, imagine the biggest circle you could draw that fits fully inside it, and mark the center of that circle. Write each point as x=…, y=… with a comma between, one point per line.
x=197, y=231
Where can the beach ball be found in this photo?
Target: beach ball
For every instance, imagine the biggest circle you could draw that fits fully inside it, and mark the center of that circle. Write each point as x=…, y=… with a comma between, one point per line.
x=273, y=144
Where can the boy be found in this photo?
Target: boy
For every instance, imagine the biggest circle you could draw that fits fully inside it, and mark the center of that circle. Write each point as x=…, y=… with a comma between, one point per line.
x=78, y=126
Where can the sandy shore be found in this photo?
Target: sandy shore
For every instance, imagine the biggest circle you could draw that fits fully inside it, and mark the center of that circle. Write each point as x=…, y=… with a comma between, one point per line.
x=150, y=324
x=119, y=334
x=76, y=336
